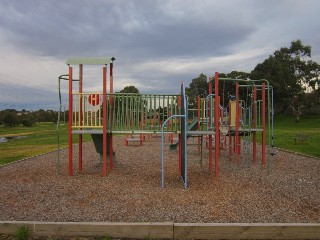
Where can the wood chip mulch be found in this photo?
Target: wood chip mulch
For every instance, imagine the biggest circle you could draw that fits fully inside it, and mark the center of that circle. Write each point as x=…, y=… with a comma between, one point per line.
x=286, y=190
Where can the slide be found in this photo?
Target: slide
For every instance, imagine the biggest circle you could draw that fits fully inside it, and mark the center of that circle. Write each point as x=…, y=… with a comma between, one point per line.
x=193, y=126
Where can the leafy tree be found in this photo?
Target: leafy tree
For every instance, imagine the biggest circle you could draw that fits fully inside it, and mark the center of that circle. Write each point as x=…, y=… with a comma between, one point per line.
x=129, y=89
x=227, y=89
x=41, y=115
x=27, y=122
x=289, y=70
x=10, y=119
x=125, y=101
x=2, y=114
x=237, y=75
x=197, y=87
x=200, y=87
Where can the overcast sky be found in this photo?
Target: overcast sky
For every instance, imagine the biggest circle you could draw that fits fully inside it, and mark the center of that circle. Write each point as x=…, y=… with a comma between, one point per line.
x=156, y=44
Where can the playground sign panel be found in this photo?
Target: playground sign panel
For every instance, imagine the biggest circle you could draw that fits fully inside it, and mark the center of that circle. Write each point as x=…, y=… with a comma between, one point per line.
x=94, y=99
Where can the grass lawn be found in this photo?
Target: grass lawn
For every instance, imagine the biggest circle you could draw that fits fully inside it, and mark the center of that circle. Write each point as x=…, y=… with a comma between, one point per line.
x=35, y=140
x=285, y=130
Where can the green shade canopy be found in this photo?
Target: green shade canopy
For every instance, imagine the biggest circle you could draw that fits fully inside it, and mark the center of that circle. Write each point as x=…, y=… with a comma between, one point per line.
x=90, y=60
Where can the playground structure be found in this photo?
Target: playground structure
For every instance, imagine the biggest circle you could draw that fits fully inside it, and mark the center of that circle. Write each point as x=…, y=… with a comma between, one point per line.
x=103, y=114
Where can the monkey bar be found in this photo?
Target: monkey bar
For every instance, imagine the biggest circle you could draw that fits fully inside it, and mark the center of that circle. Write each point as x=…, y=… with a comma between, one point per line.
x=243, y=120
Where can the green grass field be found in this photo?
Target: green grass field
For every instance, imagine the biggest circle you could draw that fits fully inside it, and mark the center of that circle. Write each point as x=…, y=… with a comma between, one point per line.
x=42, y=138
x=285, y=130
x=38, y=139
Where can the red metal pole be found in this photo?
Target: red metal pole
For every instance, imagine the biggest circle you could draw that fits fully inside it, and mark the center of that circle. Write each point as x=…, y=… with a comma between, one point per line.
x=239, y=148
x=199, y=116
x=263, y=124
x=217, y=123
x=111, y=150
x=254, y=135
x=230, y=137
x=80, y=118
x=104, y=121
x=240, y=115
x=237, y=124
x=179, y=152
x=70, y=122
x=179, y=136
x=209, y=122
x=217, y=137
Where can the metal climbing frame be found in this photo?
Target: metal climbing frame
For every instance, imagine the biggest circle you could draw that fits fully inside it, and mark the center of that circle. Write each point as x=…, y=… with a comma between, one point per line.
x=108, y=113
x=244, y=119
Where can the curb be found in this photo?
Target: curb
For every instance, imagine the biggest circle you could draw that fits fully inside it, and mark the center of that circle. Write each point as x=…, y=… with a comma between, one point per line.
x=296, y=153
x=168, y=230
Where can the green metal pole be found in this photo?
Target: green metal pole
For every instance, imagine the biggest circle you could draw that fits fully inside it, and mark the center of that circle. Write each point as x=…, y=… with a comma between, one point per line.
x=269, y=127
x=58, y=122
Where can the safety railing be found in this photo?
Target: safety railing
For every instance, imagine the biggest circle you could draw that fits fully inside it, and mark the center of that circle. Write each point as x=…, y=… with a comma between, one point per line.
x=125, y=111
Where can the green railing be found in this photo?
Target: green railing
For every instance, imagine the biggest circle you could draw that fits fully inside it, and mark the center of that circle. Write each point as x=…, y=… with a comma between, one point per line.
x=125, y=112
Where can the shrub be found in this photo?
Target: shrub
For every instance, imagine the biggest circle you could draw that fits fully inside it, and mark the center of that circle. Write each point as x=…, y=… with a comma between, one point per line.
x=27, y=123
x=22, y=233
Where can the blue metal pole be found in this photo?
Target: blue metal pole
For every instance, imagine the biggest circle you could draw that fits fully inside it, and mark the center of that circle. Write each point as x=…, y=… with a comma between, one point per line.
x=162, y=146
x=185, y=137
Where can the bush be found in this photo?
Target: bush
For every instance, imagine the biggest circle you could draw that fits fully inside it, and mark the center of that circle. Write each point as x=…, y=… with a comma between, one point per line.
x=27, y=122
x=22, y=233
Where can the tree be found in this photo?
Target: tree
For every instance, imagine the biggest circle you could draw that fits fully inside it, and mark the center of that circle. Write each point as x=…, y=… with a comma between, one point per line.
x=197, y=87
x=200, y=87
x=129, y=89
x=289, y=71
x=227, y=89
x=26, y=122
x=10, y=119
x=126, y=101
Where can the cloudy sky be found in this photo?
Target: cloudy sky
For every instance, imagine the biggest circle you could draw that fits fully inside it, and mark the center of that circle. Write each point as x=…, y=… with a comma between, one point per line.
x=156, y=43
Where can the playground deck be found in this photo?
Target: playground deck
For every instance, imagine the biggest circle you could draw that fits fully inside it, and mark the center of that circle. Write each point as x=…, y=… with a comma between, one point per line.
x=286, y=191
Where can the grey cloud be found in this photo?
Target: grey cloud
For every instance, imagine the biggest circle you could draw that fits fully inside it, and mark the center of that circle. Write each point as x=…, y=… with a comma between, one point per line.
x=143, y=31
x=95, y=27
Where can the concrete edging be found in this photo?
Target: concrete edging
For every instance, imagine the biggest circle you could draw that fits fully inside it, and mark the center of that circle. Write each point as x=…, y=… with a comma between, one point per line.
x=169, y=230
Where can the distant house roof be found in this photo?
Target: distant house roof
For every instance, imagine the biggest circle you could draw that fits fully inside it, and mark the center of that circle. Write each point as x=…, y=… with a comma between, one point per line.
x=90, y=60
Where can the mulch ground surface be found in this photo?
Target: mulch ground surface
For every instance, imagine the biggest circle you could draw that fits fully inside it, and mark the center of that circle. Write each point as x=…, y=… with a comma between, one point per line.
x=286, y=189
